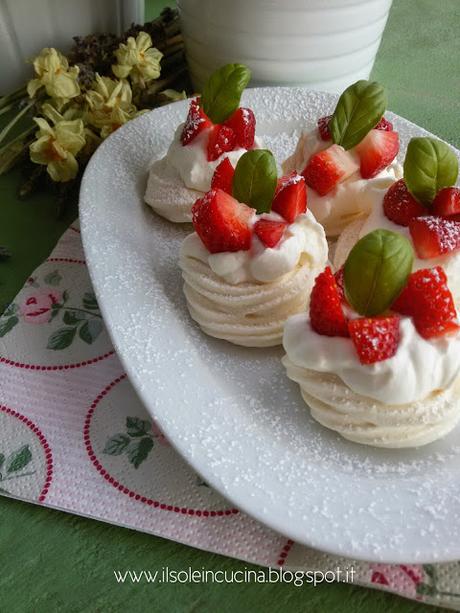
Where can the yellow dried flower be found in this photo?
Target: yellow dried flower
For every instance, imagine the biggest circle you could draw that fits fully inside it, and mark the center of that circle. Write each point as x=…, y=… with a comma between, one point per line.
x=138, y=60
x=109, y=105
x=58, y=144
x=53, y=73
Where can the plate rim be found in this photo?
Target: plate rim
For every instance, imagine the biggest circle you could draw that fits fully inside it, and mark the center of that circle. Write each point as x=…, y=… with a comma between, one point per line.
x=204, y=470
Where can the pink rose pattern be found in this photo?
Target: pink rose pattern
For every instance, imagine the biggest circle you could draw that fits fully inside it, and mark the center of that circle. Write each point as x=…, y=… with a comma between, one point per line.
x=37, y=305
x=43, y=304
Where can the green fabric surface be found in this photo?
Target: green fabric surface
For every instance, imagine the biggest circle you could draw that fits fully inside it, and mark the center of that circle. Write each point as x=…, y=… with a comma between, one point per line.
x=52, y=561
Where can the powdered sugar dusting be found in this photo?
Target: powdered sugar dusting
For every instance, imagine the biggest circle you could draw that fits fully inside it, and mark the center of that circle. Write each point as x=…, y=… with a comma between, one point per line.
x=231, y=411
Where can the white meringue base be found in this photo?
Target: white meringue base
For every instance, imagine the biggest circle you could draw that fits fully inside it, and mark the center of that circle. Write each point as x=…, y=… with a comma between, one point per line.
x=250, y=314
x=367, y=421
x=167, y=194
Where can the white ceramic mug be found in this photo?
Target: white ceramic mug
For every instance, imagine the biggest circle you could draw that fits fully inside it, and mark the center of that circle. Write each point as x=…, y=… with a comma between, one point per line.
x=321, y=44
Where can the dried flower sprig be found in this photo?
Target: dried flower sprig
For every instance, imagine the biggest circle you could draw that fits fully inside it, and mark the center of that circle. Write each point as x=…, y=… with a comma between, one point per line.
x=78, y=100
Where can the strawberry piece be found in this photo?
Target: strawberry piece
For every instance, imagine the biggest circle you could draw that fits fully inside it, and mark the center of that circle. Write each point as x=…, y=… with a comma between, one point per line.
x=400, y=206
x=327, y=168
x=447, y=202
x=290, y=196
x=375, y=338
x=222, y=222
x=326, y=314
x=428, y=300
x=269, y=231
x=433, y=236
x=243, y=123
x=323, y=127
x=223, y=176
x=221, y=139
x=339, y=279
x=376, y=151
x=196, y=122
x=384, y=124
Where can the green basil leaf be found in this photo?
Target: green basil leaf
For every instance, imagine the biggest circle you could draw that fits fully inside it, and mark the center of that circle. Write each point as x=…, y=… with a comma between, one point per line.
x=359, y=109
x=255, y=178
x=222, y=92
x=430, y=165
x=376, y=271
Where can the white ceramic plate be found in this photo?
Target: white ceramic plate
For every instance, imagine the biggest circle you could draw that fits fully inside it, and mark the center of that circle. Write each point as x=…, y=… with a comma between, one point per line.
x=231, y=412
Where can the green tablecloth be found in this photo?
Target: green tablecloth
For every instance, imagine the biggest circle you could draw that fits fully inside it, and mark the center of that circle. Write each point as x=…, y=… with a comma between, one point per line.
x=51, y=561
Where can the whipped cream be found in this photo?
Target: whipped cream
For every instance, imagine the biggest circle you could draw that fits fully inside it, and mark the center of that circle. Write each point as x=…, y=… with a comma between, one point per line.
x=178, y=179
x=450, y=262
x=418, y=368
x=302, y=239
x=191, y=160
x=352, y=198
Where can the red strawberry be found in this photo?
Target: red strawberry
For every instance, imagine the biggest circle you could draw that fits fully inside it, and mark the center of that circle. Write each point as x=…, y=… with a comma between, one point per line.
x=327, y=168
x=428, y=300
x=384, y=124
x=196, y=121
x=290, y=196
x=433, y=236
x=400, y=206
x=243, y=123
x=447, y=202
x=323, y=127
x=222, y=222
x=375, y=338
x=326, y=314
x=221, y=139
x=269, y=231
x=223, y=176
x=378, y=149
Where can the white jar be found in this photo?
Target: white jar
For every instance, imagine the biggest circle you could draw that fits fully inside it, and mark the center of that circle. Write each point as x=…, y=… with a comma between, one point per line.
x=27, y=26
x=321, y=44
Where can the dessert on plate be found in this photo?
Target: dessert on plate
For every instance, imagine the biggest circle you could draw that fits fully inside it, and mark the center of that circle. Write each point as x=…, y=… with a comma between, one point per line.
x=255, y=252
x=349, y=159
x=377, y=356
x=423, y=206
x=215, y=127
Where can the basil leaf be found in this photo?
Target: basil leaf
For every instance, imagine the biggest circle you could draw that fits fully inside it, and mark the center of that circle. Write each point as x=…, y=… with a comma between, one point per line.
x=376, y=271
x=255, y=178
x=359, y=109
x=430, y=165
x=222, y=92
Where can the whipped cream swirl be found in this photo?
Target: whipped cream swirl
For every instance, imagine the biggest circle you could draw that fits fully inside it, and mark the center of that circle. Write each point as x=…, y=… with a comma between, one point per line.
x=183, y=175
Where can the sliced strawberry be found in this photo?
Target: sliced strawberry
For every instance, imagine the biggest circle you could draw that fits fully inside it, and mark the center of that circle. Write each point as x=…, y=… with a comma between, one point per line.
x=447, y=202
x=340, y=283
x=326, y=314
x=323, y=127
x=433, y=236
x=243, y=123
x=221, y=139
x=375, y=338
x=428, y=300
x=290, y=196
x=196, y=122
x=223, y=176
x=384, y=124
x=327, y=168
x=222, y=222
x=376, y=151
x=269, y=231
x=400, y=206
